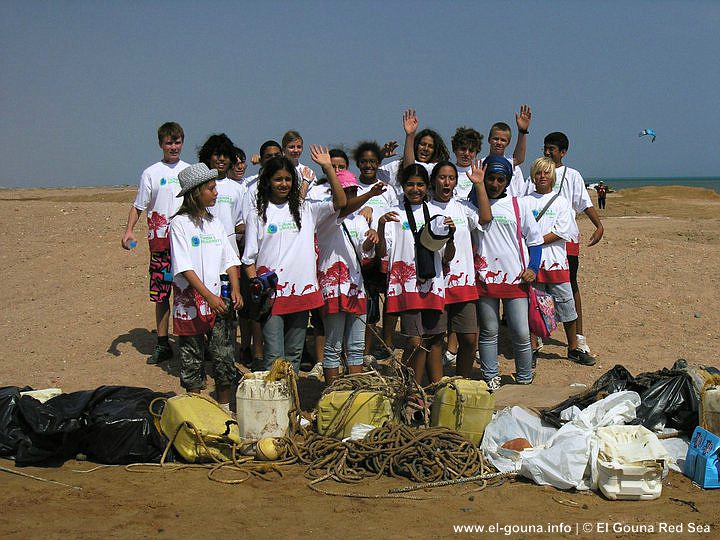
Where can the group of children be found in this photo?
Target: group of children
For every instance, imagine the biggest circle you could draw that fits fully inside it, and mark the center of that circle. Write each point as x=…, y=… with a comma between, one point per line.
x=440, y=242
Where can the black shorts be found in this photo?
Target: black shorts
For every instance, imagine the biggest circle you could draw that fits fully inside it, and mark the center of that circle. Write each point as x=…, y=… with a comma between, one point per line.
x=574, y=262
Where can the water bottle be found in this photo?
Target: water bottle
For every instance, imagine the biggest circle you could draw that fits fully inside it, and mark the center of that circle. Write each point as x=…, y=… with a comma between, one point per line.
x=224, y=286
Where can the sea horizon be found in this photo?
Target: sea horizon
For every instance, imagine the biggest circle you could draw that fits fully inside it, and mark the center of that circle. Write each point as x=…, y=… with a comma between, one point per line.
x=616, y=184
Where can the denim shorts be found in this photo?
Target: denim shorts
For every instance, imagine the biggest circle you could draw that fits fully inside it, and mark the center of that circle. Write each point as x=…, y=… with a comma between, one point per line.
x=564, y=301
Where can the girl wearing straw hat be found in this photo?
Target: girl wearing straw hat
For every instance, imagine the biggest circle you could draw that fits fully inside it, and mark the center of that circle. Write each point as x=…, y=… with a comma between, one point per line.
x=201, y=252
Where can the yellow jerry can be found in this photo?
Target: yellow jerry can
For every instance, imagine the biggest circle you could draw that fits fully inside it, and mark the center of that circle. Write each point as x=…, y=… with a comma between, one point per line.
x=465, y=406
x=200, y=430
x=340, y=410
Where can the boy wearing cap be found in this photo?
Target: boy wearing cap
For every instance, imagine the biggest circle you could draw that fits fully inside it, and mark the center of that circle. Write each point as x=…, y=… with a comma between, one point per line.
x=571, y=185
x=157, y=196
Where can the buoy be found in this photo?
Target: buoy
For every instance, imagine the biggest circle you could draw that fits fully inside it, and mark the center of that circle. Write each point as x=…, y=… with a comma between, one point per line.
x=267, y=449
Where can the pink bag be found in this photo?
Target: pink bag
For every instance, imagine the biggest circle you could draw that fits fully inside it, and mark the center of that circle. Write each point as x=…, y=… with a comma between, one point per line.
x=541, y=308
x=541, y=312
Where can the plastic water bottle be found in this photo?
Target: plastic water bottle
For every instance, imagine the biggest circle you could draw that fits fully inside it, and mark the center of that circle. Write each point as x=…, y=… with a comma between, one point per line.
x=132, y=244
x=224, y=286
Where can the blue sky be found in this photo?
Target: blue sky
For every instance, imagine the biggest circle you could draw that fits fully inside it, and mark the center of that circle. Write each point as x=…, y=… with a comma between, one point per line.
x=84, y=85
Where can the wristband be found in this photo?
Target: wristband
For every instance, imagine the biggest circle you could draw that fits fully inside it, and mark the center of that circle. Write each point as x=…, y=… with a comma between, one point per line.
x=523, y=131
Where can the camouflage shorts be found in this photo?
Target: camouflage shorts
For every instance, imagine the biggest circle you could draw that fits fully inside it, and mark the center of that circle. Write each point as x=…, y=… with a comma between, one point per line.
x=220, y=351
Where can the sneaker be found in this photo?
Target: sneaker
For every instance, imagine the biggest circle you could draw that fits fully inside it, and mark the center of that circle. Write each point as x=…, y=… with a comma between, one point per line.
x=528, y=381
x=494, y=383
x=449, y=359
x=539, y=344
x=369, y=361
x=580, y=357
x=160, y=354
x=582, y=343
x=381, y=352
x=317, y=372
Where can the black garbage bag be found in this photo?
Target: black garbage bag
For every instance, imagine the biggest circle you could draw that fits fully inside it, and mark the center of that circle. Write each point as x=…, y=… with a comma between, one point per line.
x=111, y=424
x=51, y=430
x=10, y=432
x=120, y=428
x=667, y=398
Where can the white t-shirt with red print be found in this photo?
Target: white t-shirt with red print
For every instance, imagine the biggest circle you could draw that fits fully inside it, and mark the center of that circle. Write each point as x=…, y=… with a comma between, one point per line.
x=497, y=256
x=460, y=285
x=574, y=190
x=560, y=220
x=228, y=208
x=405, y=291
x=379, y=204
x=276, y=244
x=204, y=248
x=339, y=271
x=157, y=196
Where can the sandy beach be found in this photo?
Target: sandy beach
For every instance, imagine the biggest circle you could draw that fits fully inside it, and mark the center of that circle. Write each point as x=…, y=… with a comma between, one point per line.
x=76, y=316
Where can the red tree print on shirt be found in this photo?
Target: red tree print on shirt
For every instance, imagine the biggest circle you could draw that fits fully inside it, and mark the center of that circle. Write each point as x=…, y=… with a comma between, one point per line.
x=335, y=276
x=400, y=273
x=480, y=262
x=155, y=223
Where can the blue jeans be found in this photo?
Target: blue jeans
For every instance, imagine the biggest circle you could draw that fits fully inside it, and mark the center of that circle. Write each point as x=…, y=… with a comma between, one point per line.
x=284, y=337
x=347, y=327
x=516, y=313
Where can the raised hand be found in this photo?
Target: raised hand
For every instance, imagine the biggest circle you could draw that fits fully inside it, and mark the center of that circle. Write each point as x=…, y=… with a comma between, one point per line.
x=320, y=155
x=477, y=172
x=522, y=118
x=388, y=149
x=410, y=121
x=255, y=159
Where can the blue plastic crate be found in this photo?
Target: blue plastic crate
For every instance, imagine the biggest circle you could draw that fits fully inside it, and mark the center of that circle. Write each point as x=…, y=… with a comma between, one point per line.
x=701, y=461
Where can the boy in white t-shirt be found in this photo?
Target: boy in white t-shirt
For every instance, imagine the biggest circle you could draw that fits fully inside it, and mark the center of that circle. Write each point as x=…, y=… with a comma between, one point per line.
x=499, y=139
x=466, y=144
x=157, y=196
x=571, y=185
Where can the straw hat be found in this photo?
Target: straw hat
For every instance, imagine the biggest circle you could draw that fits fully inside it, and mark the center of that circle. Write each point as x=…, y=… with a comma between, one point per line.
x=193, y=176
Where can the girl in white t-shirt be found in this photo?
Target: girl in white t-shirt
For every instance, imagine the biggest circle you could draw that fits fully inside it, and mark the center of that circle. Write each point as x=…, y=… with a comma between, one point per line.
x=201, y=252
x=343, y=245
x=420, y=301
x=279, y=236
x=461, y=292
x=557, y=225
x=501, y=274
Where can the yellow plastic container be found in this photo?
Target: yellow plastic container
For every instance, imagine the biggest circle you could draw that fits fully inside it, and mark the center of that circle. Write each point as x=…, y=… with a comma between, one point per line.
x=339, y=411
x=199, y=428
x=465, y=406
